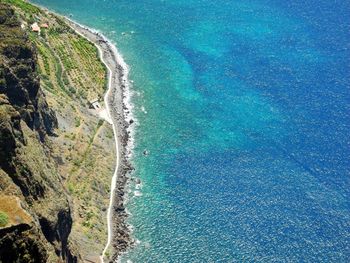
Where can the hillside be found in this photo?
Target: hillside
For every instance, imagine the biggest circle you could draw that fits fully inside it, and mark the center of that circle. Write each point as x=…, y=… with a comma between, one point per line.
x=57, y=154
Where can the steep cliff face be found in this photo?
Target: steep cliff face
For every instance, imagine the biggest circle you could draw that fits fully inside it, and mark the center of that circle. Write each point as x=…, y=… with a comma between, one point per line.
x=19, y=79
x=27, y=170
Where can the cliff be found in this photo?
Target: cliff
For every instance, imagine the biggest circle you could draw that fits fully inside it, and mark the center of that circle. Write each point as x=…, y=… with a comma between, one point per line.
x=27, y=169
x=56, y=155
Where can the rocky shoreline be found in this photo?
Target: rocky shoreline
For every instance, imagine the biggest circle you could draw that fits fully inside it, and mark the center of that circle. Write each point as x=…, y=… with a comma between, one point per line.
x=119, y=233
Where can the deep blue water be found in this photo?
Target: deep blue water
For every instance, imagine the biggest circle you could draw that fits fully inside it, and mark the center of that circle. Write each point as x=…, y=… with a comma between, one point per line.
x=247, y=126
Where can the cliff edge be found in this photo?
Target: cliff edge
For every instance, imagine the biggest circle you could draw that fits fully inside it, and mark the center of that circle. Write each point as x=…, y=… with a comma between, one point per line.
x=57, y=154
x=35, y=212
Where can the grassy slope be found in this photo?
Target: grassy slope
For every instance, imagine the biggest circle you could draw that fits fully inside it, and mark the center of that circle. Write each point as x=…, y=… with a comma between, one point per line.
x=71, y=74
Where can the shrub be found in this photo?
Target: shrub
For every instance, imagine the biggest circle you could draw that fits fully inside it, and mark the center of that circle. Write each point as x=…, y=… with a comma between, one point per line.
x=4, y=219
x=71, y=188
x=77, y=121
x=72, y=89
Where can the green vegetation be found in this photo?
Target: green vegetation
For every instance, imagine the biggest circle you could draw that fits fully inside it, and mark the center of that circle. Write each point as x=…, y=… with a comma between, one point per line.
x=88, y=222
x=27, y=7
x=69, y=61
x=45, y=57
x=77, y=121
x=71, y=74
x=71, y=188
x=4, y=219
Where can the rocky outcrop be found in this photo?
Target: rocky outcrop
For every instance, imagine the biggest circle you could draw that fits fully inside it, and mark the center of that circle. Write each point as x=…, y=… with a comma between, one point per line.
x=20, y=243
x=19, y=78
x=26, y=167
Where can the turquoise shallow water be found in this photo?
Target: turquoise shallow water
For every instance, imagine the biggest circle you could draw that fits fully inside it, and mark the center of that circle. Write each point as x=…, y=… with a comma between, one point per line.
x=247, y=126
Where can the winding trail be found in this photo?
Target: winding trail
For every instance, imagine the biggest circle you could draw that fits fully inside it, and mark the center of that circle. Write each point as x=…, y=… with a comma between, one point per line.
x=118, y=110
x=115, y=175
x=107, y=95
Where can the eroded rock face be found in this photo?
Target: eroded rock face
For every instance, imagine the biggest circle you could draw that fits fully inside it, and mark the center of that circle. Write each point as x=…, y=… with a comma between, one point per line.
x=21, y=244
x=26, y=167
x=19, y=79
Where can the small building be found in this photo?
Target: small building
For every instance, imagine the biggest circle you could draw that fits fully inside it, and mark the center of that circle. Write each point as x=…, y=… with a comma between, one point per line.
x=24, y=25
x=95, y=104
x=35, y=27
x=44, y=25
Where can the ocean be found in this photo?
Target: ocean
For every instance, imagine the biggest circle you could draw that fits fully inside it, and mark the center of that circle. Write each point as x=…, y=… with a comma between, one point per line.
x=243, y=109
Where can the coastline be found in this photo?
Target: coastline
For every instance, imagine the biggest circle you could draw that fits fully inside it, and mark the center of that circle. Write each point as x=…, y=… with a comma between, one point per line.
x=118, y=109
